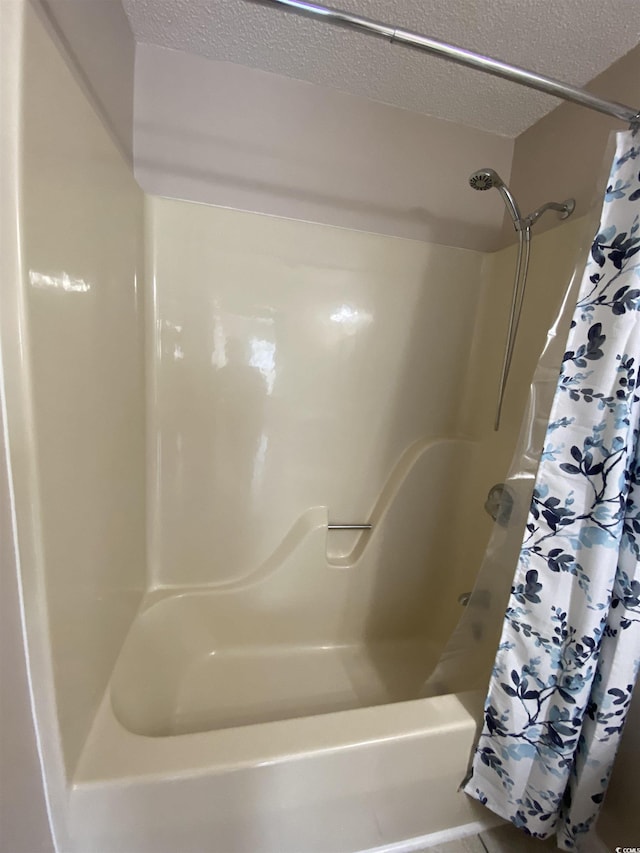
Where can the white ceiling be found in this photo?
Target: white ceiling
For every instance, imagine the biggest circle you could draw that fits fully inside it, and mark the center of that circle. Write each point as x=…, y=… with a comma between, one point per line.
x=572, y=40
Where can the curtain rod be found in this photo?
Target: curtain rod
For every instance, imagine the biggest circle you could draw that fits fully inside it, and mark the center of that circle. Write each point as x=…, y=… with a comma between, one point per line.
x=459, y=55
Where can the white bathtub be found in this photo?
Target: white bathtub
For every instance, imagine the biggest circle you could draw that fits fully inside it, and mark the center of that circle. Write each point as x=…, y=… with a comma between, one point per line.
x=280, y=712
x=374, y=777
x=277, y=714
x=187, y=668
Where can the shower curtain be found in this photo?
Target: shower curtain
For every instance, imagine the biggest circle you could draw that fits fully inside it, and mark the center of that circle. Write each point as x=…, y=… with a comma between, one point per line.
x=569, y=652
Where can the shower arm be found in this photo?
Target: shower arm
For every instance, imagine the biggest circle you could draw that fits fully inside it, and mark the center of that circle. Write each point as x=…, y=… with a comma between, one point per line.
x=565, y=209
x=461, y=56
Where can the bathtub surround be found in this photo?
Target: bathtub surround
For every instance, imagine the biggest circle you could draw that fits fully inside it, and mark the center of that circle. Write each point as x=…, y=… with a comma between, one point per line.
x=163, y=763
x=370, y=765
x=270, y=336
x=75, y=398
x=234, y=301
x=25, y=803
x=300, y=315
x=266, y=336
x=82, y=265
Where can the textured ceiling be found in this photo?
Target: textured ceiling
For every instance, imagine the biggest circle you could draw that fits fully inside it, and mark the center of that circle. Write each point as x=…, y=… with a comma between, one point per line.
x=572, y=40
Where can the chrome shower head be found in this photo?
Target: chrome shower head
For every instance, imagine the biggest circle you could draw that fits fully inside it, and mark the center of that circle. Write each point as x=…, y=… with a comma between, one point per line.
x=485, y=179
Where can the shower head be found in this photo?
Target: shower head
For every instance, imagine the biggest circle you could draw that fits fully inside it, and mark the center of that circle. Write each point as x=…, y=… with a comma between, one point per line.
x=485, y=179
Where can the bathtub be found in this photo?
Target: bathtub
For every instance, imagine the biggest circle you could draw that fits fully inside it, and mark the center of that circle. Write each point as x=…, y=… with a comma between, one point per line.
x=383, y=777
x=280, y=713
x=243, y=745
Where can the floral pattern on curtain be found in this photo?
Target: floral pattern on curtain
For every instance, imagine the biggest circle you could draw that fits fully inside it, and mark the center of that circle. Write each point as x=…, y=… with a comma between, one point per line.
x=570, y=646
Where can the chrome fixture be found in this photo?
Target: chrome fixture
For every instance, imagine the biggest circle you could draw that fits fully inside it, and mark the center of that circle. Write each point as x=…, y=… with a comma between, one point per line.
x=355, y=526
x=460, y=56
x=499, y=504
x=486, y=179
x=564, y=208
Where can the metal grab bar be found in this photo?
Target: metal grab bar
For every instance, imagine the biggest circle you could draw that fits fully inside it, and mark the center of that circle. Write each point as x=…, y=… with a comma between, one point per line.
x=349, y=526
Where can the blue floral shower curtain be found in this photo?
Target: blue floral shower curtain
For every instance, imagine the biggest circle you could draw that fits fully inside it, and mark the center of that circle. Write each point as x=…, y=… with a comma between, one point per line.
x=570, y=647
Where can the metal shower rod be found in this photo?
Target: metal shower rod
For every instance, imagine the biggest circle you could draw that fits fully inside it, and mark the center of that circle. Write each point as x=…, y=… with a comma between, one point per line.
x=459, y=55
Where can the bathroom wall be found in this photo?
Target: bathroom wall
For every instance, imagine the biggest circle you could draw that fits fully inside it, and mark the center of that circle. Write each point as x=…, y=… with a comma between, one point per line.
x=97, y=41
x=563, y=154
x=79, y=364
x=247, y=139
x=242, y=138
x=294, y=364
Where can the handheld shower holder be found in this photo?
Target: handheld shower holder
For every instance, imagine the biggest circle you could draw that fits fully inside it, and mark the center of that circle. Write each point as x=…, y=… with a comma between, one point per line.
x=485, y=179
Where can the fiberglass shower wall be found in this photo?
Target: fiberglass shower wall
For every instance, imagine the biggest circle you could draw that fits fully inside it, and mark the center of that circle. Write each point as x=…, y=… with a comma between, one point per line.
x=294, y=364
x=553, y=257
x=79, y=377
